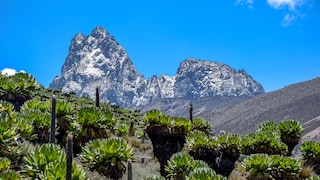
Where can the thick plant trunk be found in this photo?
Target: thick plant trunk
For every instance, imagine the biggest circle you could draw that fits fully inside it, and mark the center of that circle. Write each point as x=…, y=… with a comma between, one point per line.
x=165, y=143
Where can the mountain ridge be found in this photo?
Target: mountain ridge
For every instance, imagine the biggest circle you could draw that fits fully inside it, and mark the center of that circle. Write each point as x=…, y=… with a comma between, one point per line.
x=99, y=60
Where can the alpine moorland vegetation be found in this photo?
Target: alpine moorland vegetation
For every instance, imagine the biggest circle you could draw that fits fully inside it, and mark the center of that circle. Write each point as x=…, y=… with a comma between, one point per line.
x=105, y=136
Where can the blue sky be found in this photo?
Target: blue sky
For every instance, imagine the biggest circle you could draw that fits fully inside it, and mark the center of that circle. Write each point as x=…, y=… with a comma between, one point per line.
x=276, y=41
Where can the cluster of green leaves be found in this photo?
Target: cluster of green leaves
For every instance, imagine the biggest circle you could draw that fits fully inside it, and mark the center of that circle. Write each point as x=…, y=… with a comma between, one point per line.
x=311, y=154
x=201, y=125
x=91, y=123
x=122, y=129
x=310, y=149
x=9, y=133
x=107, y=156
x=33, y=119
x=289, y=131
x=263, y=166
x=263, y=142
x=48, y=161
x=37, y=114
x=182, y=166
x=197, y=140
x=230, y=144
x=175, y=124
x=17, y=88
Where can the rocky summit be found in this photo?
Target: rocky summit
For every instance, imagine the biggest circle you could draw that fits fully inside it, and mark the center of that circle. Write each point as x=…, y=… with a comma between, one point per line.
x=99, y=60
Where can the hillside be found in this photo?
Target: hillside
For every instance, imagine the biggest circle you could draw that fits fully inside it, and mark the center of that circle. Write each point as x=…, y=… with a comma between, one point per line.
x=299, y=101
x=103, y=133
x=180, y=106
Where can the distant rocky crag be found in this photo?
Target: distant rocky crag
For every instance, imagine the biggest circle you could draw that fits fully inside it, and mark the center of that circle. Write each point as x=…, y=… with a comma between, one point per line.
x=99, y=60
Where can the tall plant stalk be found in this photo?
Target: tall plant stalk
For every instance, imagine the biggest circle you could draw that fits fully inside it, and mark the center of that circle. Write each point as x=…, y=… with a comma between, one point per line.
x=53, y=120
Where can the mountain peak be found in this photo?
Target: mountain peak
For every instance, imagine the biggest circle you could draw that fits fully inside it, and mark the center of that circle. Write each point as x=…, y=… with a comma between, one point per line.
x=99, y=32
x=98, y=59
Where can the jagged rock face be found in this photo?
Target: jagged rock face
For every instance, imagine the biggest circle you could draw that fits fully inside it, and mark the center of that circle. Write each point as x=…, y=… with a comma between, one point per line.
x=99, y=60
x=206, y=78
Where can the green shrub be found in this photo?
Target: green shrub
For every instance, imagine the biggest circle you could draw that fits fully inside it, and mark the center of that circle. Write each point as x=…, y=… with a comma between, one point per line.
x=263, y=142
x=10, y=175
x=153, y=116
x=17, y=88
x=106, y=156
x=4, y=164
x=290, y=133
x=181, y=165
x=48, y=161
x=154, y=177
x=311, y=154
x=201, y=125
x=91, y=123
x=263, y=166
x=9, y=133
x=204, y=173
x=122, y=129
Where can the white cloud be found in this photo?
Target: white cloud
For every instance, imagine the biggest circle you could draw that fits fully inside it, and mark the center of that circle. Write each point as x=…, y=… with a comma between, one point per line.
x=10, y=72
x=291, y=8
x=288, y=20
x=292, y=4
x=243, y=2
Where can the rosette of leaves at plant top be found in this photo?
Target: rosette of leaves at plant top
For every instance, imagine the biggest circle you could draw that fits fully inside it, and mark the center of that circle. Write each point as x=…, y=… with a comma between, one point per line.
x=204, y=173
x=284, y=167
x=311, y=154
x=180, y=125
x=9, y=147
x=122, y=129
x=47, y=162
x=275, y=166
x=64, y=115
x=107, y=156
x=154, y=116
x=17, y=88
x=201, y=125
x=41, y=122
x=263, y=142
x=290, y=133
x=197, y=140
x=36, y=103
x=155, y=177
x=55, y=171
x=201, y=146
x=10, y=175
x=259, y=166
x=230, y=145
x=230, y=149
x=4, y=164
x=5, y=172
x=179, y=166
x=91, y=123
x=268, y=126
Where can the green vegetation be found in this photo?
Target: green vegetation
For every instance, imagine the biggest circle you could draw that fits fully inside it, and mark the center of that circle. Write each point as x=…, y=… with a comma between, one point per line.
x=262, y=166
x=17, y=89
x=311, y=154
x=48, y=161
x=106, y=136
x=107, y=156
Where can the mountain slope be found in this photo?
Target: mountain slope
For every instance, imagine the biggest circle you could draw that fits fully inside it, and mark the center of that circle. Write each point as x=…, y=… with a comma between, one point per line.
x=99, y=60
x=299, y=101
